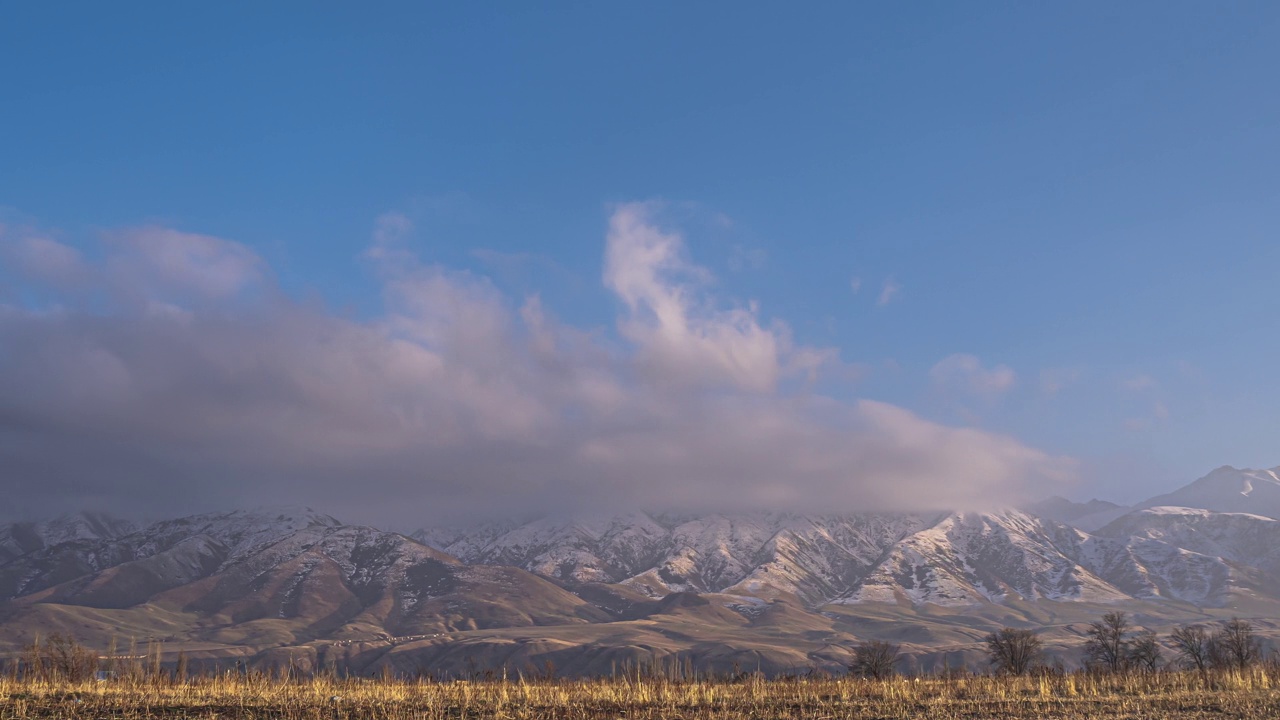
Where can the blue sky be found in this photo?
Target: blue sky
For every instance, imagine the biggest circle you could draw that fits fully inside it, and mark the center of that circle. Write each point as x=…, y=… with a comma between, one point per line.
x=1060, y=220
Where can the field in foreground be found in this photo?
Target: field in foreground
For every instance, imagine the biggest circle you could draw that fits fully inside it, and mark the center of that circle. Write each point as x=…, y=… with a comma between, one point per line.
x=1251, y=694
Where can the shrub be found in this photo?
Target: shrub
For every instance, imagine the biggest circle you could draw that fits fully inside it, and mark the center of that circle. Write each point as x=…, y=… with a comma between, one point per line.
x=875, y=659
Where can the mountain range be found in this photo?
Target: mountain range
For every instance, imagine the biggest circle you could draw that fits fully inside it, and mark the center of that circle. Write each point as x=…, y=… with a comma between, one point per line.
x=771, y=591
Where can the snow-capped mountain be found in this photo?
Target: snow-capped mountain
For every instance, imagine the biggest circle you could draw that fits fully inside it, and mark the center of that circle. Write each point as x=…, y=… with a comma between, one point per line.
x=1054, y=550
x=1238, y=537
x=763, y=555
x=949, y=559
x=299, y=579
x=1228, y=489
x=969, y=558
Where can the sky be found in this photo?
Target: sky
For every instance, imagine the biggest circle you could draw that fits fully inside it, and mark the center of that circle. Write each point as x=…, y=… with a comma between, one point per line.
x=399, y=261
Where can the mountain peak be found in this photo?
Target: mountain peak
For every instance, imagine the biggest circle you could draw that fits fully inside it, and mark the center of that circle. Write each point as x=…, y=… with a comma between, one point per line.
x=1227, y=489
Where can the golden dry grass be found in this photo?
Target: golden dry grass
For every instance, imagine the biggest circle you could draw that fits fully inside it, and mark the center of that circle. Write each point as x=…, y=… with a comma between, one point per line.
x=1251, y=694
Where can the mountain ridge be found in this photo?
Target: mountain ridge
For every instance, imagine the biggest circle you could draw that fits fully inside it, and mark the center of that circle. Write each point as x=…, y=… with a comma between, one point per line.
x=631, y=586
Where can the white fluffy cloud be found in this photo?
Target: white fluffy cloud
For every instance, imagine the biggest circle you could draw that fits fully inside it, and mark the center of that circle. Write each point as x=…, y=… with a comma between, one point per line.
x=454, y=399
x=682, y=339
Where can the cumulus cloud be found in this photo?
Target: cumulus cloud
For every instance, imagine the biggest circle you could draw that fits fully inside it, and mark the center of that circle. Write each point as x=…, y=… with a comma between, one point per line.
x=682, y=337
x=965, y=373
x=198, y=384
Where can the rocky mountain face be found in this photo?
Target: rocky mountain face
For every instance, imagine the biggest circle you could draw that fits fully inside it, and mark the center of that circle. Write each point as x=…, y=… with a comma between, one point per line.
x=586, y=591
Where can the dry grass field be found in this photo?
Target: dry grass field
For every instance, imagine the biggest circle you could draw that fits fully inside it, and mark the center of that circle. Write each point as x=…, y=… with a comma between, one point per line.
x=1251, y=694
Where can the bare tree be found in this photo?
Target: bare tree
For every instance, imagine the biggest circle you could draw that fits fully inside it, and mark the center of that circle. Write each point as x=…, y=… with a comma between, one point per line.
x=1235, y=645
x=875, y=659
x=61, y=658
x=1194, y=647
x=1014, y=651
x=1108, y=646
x=1144, y=651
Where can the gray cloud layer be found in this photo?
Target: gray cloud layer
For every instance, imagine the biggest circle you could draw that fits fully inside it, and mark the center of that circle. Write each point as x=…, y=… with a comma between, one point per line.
x=172, y=375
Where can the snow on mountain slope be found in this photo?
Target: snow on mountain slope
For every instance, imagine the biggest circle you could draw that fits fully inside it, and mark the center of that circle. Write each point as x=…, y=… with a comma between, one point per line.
x=814, y=557
x=710, y=553
x=165, y=554
x=289, y=574
x=599, y=549
x=240, y=532
x=1233, y=540
x=1239, y=537
x=958, y=559
x=817, y=558
x=17, y=539
x=612, y=548
x=1227, y=489
x=1193, y=556
x=1148, y=568
x=217, y=562
x=970, y=558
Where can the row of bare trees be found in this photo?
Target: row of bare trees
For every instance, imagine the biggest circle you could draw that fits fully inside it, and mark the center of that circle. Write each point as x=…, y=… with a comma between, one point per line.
x=1234, y=645
x=60, y=658
x=1112, y=644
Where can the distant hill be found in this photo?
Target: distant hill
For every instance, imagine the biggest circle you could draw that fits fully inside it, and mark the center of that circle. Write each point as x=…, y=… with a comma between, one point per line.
x=1086, y=516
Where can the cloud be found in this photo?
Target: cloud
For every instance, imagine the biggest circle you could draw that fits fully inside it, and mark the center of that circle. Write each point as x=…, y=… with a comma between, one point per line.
x=681, y=336
x=855, y=284
x=889, y=292
x=165, y=261
x=965, y=373
x=46, y=260
x=200, y=385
